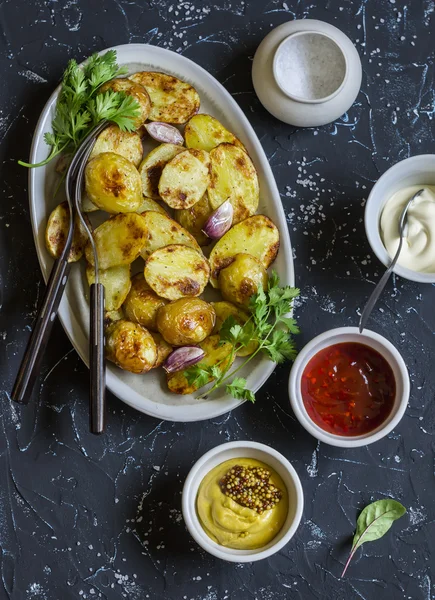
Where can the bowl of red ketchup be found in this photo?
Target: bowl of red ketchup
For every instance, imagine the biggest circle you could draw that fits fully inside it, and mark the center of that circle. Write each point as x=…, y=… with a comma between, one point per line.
x=349, y=389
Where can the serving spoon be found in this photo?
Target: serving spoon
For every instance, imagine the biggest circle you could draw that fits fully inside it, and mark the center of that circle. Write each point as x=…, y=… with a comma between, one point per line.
x=385, y=277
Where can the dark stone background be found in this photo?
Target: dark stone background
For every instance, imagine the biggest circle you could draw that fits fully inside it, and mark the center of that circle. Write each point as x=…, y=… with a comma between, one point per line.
x=86, y=517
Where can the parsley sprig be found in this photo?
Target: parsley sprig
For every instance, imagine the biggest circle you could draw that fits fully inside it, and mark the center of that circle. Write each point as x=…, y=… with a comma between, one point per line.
x=80, y=107
x=269, y=325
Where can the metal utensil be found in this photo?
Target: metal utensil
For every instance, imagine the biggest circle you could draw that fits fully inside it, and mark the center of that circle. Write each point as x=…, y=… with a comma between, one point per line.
x=385, y=277
x=97, y=362
x=31, y=362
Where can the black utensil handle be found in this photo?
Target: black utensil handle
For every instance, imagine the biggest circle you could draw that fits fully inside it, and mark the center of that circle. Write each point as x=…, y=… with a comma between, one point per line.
x=31, y=362
x=97, y=361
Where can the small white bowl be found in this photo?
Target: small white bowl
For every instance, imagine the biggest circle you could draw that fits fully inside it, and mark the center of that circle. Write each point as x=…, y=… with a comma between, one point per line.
x=338, y=336
x=304, y=105
x=417, y=170
x=228, y=451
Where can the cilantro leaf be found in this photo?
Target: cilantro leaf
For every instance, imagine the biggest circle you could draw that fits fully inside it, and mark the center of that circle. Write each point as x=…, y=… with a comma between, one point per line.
x=238, y=390
x=197, y=375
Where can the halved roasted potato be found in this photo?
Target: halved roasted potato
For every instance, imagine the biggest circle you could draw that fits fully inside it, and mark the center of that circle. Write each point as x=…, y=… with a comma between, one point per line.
x=204, y=132
x=110, y=316
x=126, y=143
x=152, y=166
x=163, y=349
x=150, y=204
x=119, y=240
x=116, y=281
x=215, y=352
x=186, y=321
x=257, y=236
x=193, y=219
x=113, y=183
x=244, y=277
x=142, y=303
x=172, y=100
x=130, y=346
x=223, y=310
x=87, y=205
x=131, y=88
x=177, y=271
x=57, y=230
x=163, y=231
x=184, y=179
x=233, y=177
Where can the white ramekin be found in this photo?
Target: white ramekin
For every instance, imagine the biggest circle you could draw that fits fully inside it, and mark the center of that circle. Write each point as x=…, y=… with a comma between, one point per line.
x=226, y=452
x=337, y=336
x=417, y=170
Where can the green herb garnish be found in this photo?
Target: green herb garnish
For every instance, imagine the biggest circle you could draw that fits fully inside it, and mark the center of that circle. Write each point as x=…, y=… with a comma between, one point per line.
x=374, y=522
x=269, y=325
x=79, y=106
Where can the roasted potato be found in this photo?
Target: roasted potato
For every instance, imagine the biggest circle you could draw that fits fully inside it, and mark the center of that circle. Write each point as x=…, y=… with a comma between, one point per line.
x=141, y=304
x=242, y=278
x=163, y=231
x=110, y=316
x=215, y=352
x=194, y=218
x=119, y=240
x=152, y=166
x=130, y=88
x=116, y=281
x=150, y=204
x=87, y=205
x=184, y=179
x=113, y=183
x=257, y=236
x=223, y=310
x=172, y=100
x=204, y=132
x=177, y=271
x=56, y=233
x=233, y=177
x=130, y=346
x=163, y=349
x=126, y=143
x=186, y=321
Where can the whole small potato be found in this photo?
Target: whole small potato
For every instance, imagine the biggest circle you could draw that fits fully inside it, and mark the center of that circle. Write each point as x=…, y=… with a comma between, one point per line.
x=130, y=346
x=186, y=321
x=130, y=88
x=142, y=304
x=113, y=183
x=163, y=349
x=242, y=278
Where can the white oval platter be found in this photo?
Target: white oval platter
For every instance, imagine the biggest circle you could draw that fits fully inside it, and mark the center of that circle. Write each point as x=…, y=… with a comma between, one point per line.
x=148, y=393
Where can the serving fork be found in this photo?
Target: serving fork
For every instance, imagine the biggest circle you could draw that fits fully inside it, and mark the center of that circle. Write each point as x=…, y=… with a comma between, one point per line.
x=32, y=359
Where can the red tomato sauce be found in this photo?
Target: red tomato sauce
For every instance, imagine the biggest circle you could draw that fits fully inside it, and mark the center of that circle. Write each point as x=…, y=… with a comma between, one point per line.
x=348, y=389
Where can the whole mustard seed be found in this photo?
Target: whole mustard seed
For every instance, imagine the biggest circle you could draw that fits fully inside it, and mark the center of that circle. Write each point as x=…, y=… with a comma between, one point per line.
x=250, y=487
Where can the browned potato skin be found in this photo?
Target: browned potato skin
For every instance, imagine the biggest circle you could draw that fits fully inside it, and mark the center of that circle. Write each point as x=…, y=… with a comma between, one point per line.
x=242, y=278
x=56, y=233
x=131, y=89
x=163, y=349
x=142, y=303
x=126, y=143
x=130, y=346
x=194, y=218
x=186, y=321
x=113, y=183
x=225, y=309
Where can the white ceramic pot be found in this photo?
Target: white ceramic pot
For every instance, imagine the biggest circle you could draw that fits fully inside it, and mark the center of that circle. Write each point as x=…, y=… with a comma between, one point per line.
x=225, y=452
x=338, y=336
x=417, y=170
x=306, y=73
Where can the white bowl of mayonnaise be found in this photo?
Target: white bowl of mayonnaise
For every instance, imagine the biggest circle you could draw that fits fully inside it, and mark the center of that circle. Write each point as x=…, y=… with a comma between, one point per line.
x=382, y=213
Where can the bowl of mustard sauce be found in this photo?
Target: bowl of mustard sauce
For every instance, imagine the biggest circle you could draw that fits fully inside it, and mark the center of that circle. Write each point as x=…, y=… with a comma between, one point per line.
x=242, y=501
